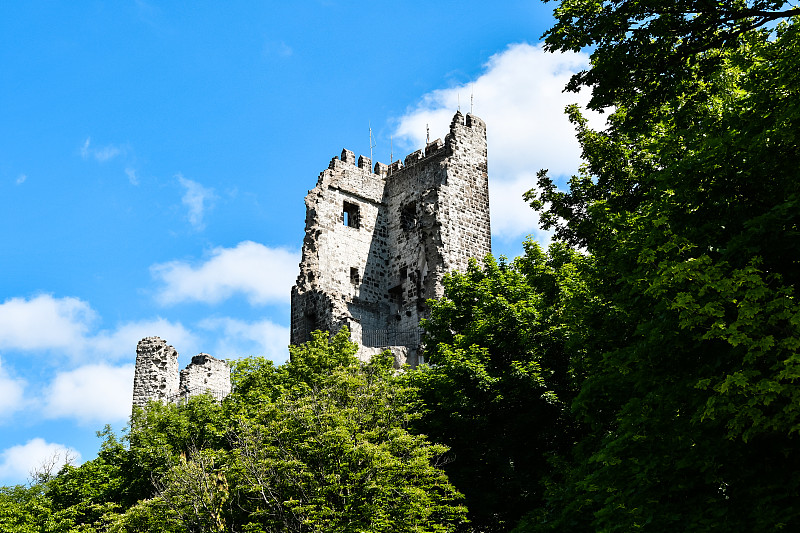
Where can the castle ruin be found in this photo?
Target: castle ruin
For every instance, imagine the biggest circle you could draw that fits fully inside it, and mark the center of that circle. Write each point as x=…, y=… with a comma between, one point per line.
x=380, y=239
x=157, y=378
x=378, y=243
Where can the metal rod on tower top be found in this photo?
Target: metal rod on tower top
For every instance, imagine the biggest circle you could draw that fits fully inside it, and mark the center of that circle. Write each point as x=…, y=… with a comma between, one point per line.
x=371, y=143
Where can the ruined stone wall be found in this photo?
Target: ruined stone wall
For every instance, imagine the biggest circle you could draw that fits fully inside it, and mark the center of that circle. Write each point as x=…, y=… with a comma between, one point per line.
x=156, y=373
x=156, y=376
x=414, y=221
x=344, y=224
x=205, y=375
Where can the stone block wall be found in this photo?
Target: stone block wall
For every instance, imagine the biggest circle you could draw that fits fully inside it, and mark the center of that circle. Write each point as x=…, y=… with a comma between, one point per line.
x=379, y=241
x=156, y=376
x=156, y=373
x=205, y=375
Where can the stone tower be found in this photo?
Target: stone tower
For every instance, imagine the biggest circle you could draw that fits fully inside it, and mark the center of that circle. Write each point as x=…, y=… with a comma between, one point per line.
x=156, y=376
x=379, y=240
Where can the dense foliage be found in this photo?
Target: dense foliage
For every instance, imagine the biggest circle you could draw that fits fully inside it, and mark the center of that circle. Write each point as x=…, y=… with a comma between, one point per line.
x=318, y=444
x=642, y=374
x=499, y=385
x=688, y=204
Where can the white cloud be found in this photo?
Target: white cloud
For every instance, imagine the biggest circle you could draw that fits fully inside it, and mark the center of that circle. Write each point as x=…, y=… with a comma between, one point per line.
x=101, y=154
x=511, y=215
x=17, y=462
x=240, y=338
x=278, y=48
x=264, y=275
x=121, y=342
x=520, y=98
x=91, y=394
x=45, y=322
x=131, y=173
x=197, y=200
x=11, y=393
x=21, y=179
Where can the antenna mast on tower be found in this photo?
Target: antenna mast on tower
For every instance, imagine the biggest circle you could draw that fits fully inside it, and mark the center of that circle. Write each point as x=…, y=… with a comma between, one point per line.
x=372, y=143
x=471, y=96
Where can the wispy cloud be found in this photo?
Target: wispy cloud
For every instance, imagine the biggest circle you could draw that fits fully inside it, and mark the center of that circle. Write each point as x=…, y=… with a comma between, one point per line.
x=197, y=199
x=520, y=97
x=131, y=173
x=278, y=49
x=67, y=326
x=263, y=275
x=21, y=179
x=17, y=462
x=102, y=153
x=120, y=342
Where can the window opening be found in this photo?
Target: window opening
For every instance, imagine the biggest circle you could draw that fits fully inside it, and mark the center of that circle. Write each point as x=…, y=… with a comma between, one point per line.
x=396, y=294
x=355, y=279
x=350, y=215
x=408, y=216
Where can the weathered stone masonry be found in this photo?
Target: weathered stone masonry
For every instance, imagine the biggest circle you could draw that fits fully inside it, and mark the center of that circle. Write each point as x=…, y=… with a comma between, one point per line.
x=379, y=240
x=157, y=378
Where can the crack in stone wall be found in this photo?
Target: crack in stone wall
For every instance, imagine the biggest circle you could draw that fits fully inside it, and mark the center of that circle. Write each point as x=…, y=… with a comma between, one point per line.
x=380, y=239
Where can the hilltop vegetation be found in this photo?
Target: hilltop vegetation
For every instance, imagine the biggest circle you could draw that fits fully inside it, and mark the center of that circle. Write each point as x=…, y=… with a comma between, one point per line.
x=318, y=444
x=642, y=373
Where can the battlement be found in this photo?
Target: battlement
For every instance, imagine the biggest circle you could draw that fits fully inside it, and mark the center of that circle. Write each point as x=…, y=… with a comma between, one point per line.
x=434, y=148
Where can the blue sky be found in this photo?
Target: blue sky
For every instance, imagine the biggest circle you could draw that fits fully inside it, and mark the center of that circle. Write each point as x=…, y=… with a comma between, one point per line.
x=154, y=159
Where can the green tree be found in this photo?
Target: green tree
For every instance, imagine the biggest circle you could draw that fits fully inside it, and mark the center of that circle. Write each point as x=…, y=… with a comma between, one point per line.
x=644, y=52
x=688, y=204
x=505, y=360
x=318, y=444
x=333, y=453
x=24, y=509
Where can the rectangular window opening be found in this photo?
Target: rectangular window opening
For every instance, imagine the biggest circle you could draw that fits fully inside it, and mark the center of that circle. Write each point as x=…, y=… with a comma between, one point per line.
x=408, y=216
x=355, y=279
x=350, y=215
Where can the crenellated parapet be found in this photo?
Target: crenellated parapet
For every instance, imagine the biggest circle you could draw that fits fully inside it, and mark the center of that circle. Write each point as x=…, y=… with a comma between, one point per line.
x=347, y=157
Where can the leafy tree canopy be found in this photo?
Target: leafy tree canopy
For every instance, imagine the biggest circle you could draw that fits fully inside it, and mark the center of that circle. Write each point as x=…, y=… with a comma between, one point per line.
x=688, y=204
x=505, y=358
x=653, y=47
x=318, y=444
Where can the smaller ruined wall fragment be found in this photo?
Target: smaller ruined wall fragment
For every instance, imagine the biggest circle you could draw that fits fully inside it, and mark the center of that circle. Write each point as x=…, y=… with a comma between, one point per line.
x=205, y=375
x=157, y=377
